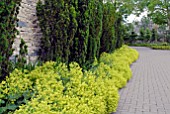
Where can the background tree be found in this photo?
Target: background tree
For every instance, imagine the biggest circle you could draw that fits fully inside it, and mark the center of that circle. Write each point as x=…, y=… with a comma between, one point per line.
x=127, y=30
x=133, y=37
x=154, y=35
x=148, y=34
x=123, y=8
x=158, y=10
x=146, y=22
x=142, y=34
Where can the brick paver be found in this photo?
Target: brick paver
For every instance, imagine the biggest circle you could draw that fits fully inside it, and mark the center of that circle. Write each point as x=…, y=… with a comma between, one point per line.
x=148, y=92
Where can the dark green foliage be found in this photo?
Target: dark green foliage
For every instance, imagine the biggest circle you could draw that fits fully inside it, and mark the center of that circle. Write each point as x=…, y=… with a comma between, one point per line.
x=154, y=36
x=142, y=34
x=145, y=35
x=80, y=42
x=21, y=59
x=78, y=30
x=71, y=30
x=168, y=36
x=8, y=18
x=148, y=34
x=119, y=31
x=133, y=37
x=126, y=36
x=108, y=38
x=95, y=30
x=127, y=28
x=59, y=25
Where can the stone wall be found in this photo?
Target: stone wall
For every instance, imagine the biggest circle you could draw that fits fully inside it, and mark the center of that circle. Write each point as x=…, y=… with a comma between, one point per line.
x=29, y=29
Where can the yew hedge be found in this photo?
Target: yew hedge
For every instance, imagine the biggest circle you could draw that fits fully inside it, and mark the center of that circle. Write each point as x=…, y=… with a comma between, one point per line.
x=78, y=30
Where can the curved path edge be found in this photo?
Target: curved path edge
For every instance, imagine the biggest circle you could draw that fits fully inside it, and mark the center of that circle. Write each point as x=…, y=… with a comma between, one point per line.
x=148, y=91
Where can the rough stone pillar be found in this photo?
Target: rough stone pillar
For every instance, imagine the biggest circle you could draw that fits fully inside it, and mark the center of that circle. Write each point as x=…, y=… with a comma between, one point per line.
x=29, y=29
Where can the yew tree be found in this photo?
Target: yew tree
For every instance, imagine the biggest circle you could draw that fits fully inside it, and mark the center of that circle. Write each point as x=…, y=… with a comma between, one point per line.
x=8, y=21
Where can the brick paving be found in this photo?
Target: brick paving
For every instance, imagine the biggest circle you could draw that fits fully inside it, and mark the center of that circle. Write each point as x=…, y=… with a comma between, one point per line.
x=148, y=91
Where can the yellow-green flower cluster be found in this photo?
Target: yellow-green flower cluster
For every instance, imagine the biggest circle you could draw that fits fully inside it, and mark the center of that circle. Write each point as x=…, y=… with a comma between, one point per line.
x=58, y=90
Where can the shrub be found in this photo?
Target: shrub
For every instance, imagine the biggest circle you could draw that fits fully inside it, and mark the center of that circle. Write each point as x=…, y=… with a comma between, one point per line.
x=55, y=89
x=159, y=47
x=16, y=90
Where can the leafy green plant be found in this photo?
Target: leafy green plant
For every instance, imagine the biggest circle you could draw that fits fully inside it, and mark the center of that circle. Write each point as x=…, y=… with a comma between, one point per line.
x=165, y=44
x=53, y=88
x=21, y=59
x=15, y=90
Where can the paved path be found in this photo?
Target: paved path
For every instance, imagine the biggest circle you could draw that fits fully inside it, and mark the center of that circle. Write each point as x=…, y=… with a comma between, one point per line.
x=148, y=92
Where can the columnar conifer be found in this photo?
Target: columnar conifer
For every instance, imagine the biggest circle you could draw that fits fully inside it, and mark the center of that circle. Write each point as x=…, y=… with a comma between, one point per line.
x=8, y=19
x=95, y=30
x=108, y=38
x=76, y=30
